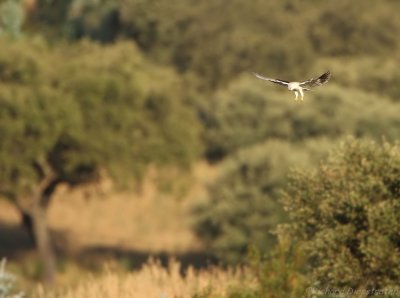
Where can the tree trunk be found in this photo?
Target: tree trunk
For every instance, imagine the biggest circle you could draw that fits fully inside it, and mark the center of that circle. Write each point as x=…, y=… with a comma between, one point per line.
x=34, y=218
x=27, y=223
x=43, y=243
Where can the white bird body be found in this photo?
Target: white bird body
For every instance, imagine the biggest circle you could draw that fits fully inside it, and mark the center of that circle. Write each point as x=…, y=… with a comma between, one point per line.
x=299, y=87
x=295, y=86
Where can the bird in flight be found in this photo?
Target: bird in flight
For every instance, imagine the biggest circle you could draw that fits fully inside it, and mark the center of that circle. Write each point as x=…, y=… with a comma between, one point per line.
x=299, y=87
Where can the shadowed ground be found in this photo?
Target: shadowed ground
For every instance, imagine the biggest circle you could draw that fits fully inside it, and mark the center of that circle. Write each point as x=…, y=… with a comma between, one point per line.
x=92, y=227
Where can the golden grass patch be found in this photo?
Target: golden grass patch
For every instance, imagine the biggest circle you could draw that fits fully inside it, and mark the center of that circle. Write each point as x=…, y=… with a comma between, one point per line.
x=154, y=280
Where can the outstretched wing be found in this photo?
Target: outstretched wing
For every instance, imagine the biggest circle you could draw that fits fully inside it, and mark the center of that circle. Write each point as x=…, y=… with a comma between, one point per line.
x=318, y=81
x=276, y=81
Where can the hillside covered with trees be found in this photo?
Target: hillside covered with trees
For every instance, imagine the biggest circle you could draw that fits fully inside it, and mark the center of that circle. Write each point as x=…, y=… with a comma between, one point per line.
x=119, y=87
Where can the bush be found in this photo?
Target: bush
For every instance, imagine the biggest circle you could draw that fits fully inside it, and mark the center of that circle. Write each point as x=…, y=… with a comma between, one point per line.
x=278, y=273
x=243, y=207
x=345, y=216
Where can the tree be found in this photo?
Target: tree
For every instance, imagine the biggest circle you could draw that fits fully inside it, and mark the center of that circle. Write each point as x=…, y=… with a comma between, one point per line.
x=61, y=123
x=345, y=217
x=33, y=122
x=34, y=118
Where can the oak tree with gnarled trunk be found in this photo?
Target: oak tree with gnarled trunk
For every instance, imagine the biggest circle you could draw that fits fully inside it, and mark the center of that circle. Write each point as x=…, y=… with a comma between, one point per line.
x=62, y=122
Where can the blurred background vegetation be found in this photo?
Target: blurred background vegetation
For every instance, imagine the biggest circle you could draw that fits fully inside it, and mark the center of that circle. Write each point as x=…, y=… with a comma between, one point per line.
x=94, y=88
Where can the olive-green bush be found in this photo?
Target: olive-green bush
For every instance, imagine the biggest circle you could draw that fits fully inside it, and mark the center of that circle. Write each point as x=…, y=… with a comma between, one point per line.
x=345, y=215
x=242, y=208
x=278, y=273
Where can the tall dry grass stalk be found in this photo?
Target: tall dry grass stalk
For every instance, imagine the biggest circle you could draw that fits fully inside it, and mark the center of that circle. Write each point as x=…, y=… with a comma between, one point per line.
x=154, y=280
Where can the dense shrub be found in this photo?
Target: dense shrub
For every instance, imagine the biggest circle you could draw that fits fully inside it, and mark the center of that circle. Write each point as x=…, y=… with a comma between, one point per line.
x=243, y=206
x=278, y=273
x=346, y=217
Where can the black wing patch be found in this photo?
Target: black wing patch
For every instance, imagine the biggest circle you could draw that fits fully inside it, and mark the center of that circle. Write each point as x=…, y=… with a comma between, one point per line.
x=318, y=81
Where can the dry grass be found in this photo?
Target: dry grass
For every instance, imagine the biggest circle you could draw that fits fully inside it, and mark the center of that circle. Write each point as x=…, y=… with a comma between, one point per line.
x=147, y=220
x=94, y=225
x=154, y=280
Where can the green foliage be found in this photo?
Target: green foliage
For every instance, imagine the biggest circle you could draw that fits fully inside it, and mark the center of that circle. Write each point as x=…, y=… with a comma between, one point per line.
x=141, y=108
x=11, y=18
x=243, y=204
x=215, y=46
x=247, y=112
x=351, y=28
x=75, y=113
x=284, y=38
x=79, y=107
x=96, y=19
x=379, y=76
x=345, y=215
x=34, y=117
x=49, y=19
x=278, y=273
